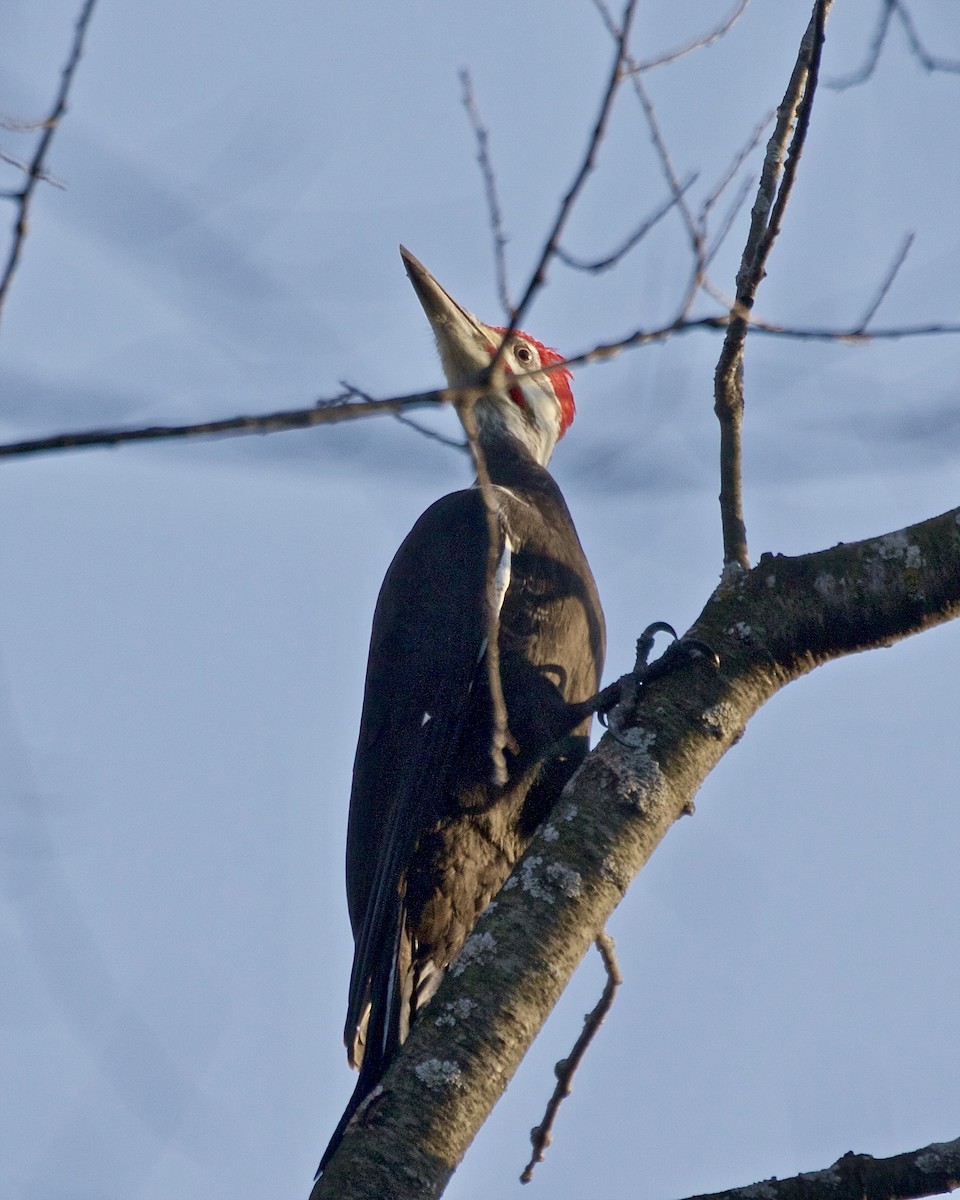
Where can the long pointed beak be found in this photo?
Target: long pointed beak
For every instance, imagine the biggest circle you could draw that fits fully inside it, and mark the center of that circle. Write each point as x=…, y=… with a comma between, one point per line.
x=465, y=344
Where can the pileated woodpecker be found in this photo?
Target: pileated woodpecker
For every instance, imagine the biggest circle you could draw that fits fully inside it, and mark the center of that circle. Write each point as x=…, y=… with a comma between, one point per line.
x=431, y=838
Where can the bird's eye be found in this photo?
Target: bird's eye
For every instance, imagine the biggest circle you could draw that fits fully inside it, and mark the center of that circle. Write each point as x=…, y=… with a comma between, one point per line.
x=524, y=354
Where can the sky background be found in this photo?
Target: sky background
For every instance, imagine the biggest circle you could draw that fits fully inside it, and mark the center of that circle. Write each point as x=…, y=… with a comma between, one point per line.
x=183, y=628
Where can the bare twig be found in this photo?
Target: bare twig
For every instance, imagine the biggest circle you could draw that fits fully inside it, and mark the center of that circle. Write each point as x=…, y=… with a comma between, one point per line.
x=351, y=390
x=928, y=61
x=26, y=168
x=340, y=408
x=325, y=412
x=887, y=283
x=587, y=164
x=929, y=1171
x=863, y=73
x=595, y=266
x=694, y=231
x=35, y=169
x=541, y=1135
x=695, y=228
x=432, y=434
x=697, y=43
x=494, y=210
x=18, y=125
x=776, y=184
x=738, y=160
x=726, y=224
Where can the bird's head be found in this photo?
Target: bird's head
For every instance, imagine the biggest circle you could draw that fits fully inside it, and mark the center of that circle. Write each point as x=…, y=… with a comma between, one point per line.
x=535, y=408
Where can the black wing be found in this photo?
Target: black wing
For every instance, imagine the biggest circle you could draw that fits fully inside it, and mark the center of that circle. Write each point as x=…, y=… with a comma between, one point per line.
x=426, y=645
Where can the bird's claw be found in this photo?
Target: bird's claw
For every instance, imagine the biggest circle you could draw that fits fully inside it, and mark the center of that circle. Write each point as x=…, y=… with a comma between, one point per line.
x=680, y=650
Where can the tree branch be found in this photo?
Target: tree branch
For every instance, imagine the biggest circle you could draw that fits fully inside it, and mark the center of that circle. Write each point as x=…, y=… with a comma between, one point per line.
x=769, y=626
x=773, y=194
x=333, y=410
x=542, y=1135
x=929, y=1171
x=928, y=61
x=701, y=42
x=494, y=211
x=587, y=165
x=35, y=169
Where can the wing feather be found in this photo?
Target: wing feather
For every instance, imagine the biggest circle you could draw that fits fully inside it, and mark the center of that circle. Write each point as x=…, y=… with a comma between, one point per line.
x=424, y=653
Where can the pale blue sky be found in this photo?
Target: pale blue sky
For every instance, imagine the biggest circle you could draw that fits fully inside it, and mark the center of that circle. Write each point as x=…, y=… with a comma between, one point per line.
x=183, y=628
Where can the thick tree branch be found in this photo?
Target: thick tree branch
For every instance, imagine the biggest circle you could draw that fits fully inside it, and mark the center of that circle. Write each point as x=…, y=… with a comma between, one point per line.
x=769, y=626
x=929, y=1171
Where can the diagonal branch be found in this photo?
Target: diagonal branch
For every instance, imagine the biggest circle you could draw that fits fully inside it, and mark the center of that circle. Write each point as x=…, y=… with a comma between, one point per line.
x=780, y=621
x=887, y=284
x=494, y=210
x=541, y=1135
x=587, y=164
x=35, y=170
x=776, y=184
x=701, y=42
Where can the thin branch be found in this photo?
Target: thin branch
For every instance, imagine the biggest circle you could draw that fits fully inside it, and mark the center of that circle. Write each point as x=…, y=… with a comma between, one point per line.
x=27, y=168
x=17, y=125
x=587, y=165
x=698, y=43
x=432, y=434
x=673, y=180
x=494, y=210
x=336, y=409
x=726, y=224
x=776, y=184
x=696, y=226
x=325, y=412
x=738, y=160
x=35, y=169
x=596, y=266
x=863, y=73
x=928, y=61
x=887, y=283
x=929, y=1171
x=542, y=1135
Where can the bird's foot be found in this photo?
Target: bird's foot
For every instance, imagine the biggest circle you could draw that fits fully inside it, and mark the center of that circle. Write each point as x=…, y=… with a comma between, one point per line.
x=616, y=703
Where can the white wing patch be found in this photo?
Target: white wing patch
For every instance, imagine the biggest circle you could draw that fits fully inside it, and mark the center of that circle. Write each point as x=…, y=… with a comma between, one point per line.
x=425, y=718
x=501, y=581
x=502, y=578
